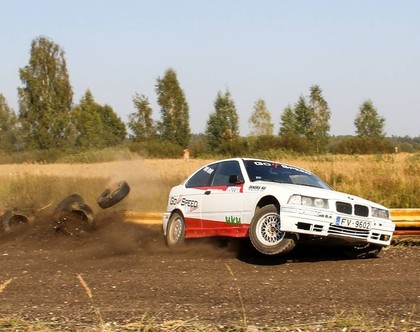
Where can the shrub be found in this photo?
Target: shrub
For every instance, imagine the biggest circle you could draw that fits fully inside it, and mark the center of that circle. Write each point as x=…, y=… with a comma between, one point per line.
x=157, y=149
x=363, y=145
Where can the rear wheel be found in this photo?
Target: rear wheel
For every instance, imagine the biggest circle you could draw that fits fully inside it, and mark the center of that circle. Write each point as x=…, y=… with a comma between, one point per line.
x=175, y=231
x=362, y=250
x=265, y=233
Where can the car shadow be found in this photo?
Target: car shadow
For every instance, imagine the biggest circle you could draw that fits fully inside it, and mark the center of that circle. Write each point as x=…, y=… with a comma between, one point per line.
x=303, y=252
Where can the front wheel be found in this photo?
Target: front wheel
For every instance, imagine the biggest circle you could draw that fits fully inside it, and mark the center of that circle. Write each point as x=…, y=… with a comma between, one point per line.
x=175, y=231
x=265, y=233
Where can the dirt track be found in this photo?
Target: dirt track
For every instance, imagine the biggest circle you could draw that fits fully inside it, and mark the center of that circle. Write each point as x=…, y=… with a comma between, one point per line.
x=128, y=272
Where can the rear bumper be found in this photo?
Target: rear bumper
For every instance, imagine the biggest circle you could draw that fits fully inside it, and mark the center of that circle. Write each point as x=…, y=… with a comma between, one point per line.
x=324, y=223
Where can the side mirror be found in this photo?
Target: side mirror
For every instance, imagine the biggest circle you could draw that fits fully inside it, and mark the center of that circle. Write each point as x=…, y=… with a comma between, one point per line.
x=236, y=179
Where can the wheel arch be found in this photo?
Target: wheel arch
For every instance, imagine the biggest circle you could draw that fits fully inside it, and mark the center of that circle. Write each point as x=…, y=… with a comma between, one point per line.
x=176, y=210
x=267, y=200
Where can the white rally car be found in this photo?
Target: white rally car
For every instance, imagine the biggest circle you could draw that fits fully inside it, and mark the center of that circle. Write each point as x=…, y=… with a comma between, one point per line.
x=275, y=205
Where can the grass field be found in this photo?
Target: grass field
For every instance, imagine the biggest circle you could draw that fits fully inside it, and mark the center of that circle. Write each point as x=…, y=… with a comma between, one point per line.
x=391, y=180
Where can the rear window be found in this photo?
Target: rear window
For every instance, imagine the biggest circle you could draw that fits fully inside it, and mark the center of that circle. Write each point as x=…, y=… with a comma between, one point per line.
x=202, y=178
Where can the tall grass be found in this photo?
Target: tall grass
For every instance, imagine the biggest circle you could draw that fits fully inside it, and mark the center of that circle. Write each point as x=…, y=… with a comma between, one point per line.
x=37, y=192
x=392, y=180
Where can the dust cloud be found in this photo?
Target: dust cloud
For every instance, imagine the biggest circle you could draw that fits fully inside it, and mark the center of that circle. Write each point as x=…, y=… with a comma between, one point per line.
x=42, y=186
x=113, y=237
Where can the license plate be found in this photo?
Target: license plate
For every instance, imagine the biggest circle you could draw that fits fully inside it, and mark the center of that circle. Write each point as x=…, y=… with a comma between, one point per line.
x=353, y=223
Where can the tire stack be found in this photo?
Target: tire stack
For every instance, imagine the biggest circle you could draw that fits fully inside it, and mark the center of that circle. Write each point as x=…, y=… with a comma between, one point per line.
x=72, y=216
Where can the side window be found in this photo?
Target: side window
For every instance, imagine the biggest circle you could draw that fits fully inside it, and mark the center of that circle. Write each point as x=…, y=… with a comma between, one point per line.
x=224, y=171
x=202, y=178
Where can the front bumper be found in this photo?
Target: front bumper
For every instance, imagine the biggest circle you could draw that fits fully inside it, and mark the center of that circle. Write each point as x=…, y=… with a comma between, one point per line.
x=303, y=220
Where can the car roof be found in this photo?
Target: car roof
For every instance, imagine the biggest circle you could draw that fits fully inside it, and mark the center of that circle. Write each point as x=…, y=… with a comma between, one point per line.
x=259, y=159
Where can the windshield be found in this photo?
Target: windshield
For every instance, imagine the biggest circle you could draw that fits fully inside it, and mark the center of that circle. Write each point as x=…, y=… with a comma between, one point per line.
x=259, y=170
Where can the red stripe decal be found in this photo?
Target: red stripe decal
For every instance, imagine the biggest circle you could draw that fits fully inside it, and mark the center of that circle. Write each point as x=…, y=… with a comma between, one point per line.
x=196, y=228
x=223, y=188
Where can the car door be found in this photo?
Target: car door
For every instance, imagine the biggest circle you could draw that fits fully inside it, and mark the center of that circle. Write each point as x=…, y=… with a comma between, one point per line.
x=222, y=202
x=190, y=202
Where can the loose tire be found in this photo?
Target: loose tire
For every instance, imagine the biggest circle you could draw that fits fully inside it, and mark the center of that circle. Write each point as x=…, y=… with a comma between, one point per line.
x=175, y=230
x=75, y=219
x=64, y=204
x=113, y=194
x=13, y=219
x=265, y=233
x=362, y=250
x=72, y=216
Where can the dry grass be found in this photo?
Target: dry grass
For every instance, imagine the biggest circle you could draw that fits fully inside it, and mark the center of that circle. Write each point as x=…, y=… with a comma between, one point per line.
x=343, y=321
x=392, y=180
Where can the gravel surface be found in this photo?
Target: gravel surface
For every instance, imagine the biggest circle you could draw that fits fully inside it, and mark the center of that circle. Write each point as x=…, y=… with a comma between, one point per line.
x=123, y=273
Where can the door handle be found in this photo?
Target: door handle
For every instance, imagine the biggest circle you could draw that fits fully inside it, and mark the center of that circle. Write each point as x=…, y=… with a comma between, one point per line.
x=207, y=192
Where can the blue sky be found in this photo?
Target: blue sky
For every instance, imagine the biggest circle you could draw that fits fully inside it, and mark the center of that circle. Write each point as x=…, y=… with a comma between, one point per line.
x=273, y=49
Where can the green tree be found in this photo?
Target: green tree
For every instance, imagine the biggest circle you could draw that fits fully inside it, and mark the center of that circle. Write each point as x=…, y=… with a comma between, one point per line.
x=45, y=98
x=319, y=127
x=293, y=135
x=90, y=129
x=175, y=118
x=368, y=122
x=97, y=126
x=288, y=121
x=260, y=120
x=9, y=130
x=141, y=122
x=303, y=117
x=223, y=124
x=114, y=128
x=307, y=123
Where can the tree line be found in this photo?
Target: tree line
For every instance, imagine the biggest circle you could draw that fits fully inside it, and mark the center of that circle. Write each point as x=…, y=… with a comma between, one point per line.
x=48, y=119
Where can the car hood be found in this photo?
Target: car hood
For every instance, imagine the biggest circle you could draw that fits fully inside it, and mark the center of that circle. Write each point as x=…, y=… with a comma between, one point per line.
x=319, y=192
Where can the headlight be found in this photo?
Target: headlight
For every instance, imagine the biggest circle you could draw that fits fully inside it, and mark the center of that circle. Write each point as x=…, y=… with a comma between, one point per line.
x=295, y=199
x=309, y=201
x=380, y=213
x=320, y=203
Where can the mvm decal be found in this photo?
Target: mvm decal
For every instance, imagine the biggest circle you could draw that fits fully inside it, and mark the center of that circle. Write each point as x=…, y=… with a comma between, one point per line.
x=233, y=220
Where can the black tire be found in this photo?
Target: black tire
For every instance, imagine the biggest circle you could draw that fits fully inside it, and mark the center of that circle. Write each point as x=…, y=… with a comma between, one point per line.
x=113, y=194
x=265, y=234
x=175, y=230
x=75, y=219
x=13, y=219
x=63, y=205
x=362, y=250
